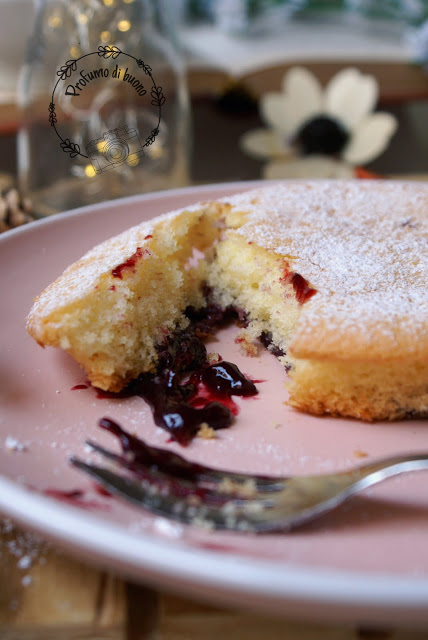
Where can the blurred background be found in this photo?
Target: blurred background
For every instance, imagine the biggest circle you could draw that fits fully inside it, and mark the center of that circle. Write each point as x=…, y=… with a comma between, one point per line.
x=225, y=57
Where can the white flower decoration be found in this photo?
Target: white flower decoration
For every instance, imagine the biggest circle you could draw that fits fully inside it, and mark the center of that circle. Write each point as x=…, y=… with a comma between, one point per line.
x=335, y=127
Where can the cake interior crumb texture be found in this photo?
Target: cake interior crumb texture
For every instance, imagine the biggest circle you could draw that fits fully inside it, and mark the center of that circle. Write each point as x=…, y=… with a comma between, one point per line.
x=110, y=309
x=357, y=346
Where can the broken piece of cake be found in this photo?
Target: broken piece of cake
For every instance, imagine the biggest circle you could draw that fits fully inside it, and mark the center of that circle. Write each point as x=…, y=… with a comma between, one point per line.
x=331, y=274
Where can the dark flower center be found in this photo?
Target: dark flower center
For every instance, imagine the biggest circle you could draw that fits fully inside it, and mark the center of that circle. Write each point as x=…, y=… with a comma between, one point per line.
x=322, y=135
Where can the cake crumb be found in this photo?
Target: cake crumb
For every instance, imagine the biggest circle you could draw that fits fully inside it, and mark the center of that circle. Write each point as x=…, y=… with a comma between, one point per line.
x=360, y=454
x=206, y=432
x=214, y=358
x=245, y=489
x=247, y=344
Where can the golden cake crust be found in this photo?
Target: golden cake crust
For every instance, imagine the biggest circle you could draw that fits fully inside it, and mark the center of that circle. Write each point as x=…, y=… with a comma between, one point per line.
x=80, y=278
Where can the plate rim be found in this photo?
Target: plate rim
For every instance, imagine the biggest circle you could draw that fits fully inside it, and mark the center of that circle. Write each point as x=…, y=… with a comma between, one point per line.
x=155, y=195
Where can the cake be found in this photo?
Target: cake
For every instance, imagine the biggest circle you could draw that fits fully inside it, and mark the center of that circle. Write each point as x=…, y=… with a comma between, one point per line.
x=331, y=275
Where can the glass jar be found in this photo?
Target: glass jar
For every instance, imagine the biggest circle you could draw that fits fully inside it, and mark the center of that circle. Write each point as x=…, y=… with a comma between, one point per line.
x=105, y=109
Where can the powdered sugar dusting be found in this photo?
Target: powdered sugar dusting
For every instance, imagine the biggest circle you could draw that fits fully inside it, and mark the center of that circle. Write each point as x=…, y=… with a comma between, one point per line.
x=81, y=277
x=362, y=245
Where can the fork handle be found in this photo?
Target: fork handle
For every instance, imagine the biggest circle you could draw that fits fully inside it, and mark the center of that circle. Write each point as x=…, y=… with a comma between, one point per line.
x=374, y=472
x=411, y=461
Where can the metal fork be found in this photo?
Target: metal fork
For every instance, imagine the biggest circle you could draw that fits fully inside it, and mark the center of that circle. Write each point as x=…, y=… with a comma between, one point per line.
x=167, y=484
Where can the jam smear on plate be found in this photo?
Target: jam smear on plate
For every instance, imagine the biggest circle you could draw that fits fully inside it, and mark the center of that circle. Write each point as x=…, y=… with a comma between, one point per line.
x=225, y=377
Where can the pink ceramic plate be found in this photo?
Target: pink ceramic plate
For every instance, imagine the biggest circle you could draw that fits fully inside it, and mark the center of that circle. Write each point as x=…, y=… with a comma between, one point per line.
x=367, y=562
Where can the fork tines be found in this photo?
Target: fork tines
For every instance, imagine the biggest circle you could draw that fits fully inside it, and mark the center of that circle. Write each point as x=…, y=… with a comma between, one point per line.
x=140, y=454
x=167, y=484
x=230, y=507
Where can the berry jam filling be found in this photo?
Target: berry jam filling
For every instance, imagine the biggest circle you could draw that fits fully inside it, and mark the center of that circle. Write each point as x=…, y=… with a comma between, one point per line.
x=204, y=395
x=171, y=407
x=211, y=317
x=129, y=264
x=301, y=288
x=266, y=340
x=187, y=391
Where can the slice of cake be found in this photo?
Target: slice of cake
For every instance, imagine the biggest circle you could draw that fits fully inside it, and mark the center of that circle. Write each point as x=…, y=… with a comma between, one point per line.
x=112, y=307
x=332, y=276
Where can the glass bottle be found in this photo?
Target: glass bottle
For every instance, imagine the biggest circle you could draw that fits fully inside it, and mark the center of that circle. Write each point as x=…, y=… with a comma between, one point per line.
x=104, y=103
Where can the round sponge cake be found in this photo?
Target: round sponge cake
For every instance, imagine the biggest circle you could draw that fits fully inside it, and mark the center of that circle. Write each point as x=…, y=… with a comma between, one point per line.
x=334, y=272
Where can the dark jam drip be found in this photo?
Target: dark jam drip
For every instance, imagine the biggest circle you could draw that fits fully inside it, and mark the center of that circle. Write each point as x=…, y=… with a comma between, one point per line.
x=142, y=461
x=302, y=290
x=205, y=395
x=226, y=378
x=137, y=452
x=171, y=407
x=117, y=272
